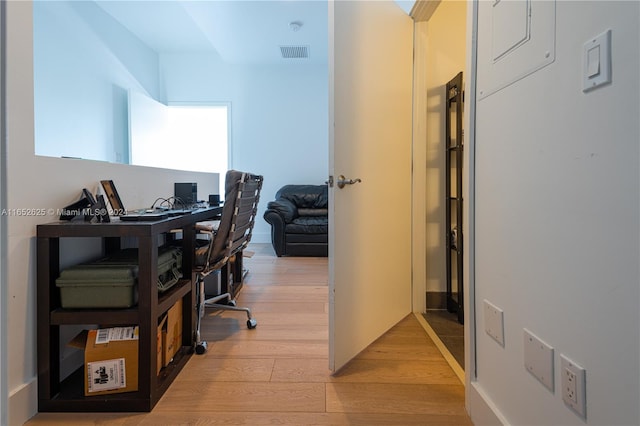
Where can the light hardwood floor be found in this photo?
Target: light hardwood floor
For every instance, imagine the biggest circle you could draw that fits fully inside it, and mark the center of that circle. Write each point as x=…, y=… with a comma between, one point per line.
x=278, y=373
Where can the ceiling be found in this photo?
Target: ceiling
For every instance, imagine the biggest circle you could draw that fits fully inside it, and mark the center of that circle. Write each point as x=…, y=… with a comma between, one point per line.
x=242, y=32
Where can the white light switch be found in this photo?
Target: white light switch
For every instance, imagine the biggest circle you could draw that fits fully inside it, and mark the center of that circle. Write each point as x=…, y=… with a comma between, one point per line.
x=596, y=61
x=593, y=62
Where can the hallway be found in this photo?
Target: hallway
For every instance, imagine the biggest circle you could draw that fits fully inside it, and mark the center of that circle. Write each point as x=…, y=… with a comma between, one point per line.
x=277, y=373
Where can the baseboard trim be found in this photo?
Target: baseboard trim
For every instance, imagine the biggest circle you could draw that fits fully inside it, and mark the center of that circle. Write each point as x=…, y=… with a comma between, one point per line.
x=482, y=410
x=23, y=403
x=436, y=300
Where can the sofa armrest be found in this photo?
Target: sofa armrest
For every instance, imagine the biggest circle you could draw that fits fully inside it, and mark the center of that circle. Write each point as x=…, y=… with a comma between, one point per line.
x=276, y=219
x=284, y=208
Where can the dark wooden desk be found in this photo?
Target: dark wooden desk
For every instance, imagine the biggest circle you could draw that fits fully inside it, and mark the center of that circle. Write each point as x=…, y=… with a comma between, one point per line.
x=68, y=394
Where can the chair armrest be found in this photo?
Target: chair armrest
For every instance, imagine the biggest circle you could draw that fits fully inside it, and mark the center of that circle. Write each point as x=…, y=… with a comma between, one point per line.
x=208, y=227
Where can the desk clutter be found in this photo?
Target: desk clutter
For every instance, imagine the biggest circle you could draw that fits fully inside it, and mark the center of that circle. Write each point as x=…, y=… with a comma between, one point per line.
x=165, y=301
x=111, y=281
x=97, y=209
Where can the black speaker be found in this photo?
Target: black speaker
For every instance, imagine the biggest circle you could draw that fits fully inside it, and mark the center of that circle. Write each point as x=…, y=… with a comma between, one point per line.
x=214, y=199
x=186, y=192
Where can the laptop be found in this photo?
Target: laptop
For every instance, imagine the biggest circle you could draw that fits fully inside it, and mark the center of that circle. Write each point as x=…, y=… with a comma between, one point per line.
x=117, y=208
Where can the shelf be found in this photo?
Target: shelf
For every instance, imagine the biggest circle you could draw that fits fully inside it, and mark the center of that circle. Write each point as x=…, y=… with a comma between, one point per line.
x=170, y=372
x=94, y=316
x=71, y=396
x=118, y=316
x=171, y=296
x=454, y=148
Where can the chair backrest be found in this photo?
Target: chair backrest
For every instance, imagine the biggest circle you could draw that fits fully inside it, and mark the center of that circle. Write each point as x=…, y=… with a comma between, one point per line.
x=242, y=194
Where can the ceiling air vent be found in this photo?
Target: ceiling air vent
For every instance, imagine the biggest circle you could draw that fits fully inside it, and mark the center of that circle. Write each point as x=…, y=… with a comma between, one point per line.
x=294, y=52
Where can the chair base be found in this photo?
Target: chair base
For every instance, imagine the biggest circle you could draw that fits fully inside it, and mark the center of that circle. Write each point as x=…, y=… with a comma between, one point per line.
x=201, y=345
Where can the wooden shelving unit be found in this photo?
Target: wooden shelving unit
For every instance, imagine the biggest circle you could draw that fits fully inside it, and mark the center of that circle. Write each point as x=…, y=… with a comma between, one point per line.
x=454, y=148
x=55, y=394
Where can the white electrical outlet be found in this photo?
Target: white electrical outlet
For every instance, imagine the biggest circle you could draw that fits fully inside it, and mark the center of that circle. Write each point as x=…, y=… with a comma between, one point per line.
x=569, y=385
x=538, y=359
x=494, y=322
x=574, y=390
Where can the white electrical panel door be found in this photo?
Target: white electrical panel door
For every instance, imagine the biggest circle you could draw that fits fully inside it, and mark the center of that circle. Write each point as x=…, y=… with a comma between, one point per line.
x=522, y=42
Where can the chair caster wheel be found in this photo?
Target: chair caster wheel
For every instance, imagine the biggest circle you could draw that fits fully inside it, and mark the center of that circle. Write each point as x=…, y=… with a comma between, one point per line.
x=201, y=347
x=252, y=323
x=231, y=303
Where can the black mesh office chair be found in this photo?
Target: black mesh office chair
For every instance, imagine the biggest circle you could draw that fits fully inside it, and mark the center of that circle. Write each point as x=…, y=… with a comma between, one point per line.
x=227, y=238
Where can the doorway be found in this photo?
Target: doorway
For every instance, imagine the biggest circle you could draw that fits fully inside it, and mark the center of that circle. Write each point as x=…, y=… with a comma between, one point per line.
x=441, y=53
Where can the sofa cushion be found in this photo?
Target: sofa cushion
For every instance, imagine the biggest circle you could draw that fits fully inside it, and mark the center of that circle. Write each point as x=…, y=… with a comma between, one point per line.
x=313, y=212
x=309, y=239
x=308, y=225
x=305, y=196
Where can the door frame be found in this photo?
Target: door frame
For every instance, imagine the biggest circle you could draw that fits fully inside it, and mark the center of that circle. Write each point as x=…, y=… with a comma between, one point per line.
x=422, y=13
x=468, y=220
x=478, y=404
x=4, y=399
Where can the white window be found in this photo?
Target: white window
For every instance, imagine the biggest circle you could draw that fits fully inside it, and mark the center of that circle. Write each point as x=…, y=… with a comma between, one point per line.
x=183, y=136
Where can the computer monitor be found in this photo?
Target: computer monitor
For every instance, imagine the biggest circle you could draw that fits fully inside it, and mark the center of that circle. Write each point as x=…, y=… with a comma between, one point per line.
x=186, y=193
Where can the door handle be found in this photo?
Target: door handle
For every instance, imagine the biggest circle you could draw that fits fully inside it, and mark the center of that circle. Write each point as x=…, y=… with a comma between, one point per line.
x=342, y=181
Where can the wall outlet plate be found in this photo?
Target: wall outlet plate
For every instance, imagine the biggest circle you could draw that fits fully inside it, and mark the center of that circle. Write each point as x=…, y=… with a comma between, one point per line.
x=538, y=359
x=573, y=382
x=494, y=322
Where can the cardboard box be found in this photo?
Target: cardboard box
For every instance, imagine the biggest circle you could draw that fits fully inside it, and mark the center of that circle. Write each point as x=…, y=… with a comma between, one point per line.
x=159, y=349
x=172, y=334
x=111, y=361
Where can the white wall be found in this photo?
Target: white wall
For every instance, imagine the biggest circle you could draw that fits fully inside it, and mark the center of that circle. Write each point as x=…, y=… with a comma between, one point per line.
x=445, y=57
x=44, y=182
x=279, y=116
x=85, y=64
x=557, y=232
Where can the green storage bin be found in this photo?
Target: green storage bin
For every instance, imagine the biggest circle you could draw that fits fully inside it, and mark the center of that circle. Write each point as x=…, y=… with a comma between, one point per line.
x=169, y=264
x=98, y=286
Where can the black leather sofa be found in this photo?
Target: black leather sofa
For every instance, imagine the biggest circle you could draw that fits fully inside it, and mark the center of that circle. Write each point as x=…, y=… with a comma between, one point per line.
x=299, y=220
